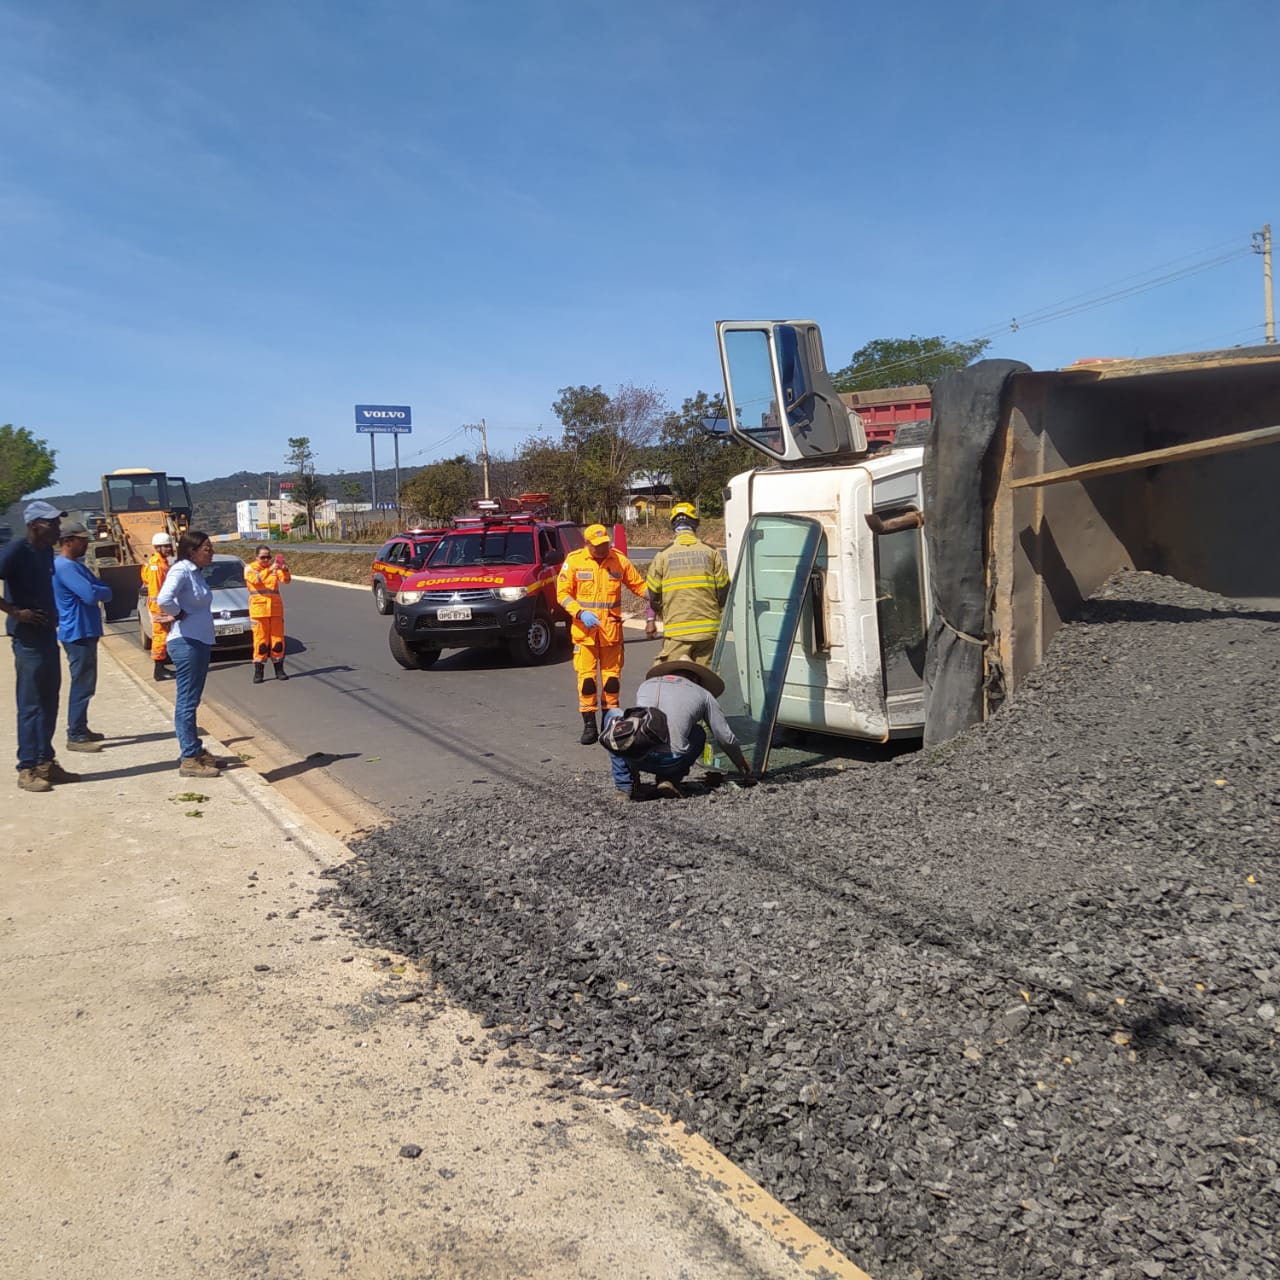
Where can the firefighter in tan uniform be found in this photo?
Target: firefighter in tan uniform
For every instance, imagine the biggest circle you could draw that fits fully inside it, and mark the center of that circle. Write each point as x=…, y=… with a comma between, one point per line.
x=153, y=575
x=266, y=611
x=589, y=590
x=688, y=585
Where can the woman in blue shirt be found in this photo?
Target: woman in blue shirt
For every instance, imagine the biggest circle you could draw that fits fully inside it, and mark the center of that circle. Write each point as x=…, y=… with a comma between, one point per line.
x=186, y=601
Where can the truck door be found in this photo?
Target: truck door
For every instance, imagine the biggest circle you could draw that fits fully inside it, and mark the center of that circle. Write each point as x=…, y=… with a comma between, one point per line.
x=901, y=599
x=758, y=628
x=781, y=400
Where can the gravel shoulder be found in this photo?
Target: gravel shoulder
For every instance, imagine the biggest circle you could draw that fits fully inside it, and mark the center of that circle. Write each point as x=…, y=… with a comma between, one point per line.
x=1006, y=1008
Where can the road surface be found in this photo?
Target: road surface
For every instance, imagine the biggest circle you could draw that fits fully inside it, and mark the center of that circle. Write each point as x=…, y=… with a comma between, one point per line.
x=393, y=736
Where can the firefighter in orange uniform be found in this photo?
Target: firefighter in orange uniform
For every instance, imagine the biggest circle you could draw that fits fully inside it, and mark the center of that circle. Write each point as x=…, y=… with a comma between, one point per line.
x=266, y=611
x=153, y=575
x=589, y=590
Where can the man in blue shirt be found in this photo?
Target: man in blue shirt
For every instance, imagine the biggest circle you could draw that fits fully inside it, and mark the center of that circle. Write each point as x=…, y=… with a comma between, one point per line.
x=79, y=596
x=26, y=566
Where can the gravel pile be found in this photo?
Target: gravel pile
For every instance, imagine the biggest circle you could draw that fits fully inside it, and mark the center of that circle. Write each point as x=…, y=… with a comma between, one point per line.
x=1009, y=1008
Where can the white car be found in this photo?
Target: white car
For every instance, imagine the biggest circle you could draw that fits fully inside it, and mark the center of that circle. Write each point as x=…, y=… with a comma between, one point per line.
x=232, y=632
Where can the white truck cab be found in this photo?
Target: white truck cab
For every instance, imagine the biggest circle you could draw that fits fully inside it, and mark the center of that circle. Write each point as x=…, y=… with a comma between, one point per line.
x=856, y=667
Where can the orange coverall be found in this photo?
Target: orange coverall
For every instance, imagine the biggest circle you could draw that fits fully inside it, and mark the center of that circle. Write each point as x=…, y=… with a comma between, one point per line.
x=266, y=610
x=596, y=585
x=153, y=574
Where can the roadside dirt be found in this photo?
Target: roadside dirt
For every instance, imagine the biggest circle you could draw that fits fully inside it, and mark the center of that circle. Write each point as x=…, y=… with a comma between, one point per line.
x=208, y=1075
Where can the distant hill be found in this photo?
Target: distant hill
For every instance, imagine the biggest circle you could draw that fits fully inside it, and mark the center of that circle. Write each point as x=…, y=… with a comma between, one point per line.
x=215, y=500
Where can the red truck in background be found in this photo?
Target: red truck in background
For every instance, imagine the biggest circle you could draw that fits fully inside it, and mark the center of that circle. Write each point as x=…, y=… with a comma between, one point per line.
x=884, y=411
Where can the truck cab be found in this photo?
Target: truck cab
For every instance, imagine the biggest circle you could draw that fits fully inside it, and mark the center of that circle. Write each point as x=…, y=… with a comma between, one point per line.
x=856, y=665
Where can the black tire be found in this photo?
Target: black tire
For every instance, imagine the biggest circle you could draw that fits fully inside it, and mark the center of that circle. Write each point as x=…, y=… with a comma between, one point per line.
x=382, y=600
x=410, y=657
x=144, y=630
x=536, y=644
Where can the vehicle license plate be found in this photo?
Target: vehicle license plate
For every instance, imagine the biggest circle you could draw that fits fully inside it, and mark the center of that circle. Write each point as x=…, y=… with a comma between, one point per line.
x=228, y=628
x=462, y=614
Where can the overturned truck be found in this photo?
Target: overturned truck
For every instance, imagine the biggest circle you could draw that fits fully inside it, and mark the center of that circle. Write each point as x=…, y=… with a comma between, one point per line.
x=930, y=574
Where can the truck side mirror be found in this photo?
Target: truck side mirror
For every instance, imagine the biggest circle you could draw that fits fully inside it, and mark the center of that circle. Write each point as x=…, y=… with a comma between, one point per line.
x=780, y=396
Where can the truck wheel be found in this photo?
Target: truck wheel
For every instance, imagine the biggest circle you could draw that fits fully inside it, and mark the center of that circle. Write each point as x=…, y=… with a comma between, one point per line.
x=382, y=599
x=411, y=657
x=144, y=629
x=535, y=645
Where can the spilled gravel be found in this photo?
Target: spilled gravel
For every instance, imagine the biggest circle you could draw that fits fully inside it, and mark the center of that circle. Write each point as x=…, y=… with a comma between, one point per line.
x=1009, y=1008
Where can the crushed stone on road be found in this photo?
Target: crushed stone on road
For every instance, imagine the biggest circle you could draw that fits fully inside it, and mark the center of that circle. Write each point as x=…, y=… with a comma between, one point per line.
x=1008, y=1007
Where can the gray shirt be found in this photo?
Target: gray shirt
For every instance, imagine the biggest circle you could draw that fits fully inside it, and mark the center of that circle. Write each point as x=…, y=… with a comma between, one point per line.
x=684, y=703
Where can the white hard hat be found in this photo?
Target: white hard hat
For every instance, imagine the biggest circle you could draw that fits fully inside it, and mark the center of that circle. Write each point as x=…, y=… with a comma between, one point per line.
x=161, y=539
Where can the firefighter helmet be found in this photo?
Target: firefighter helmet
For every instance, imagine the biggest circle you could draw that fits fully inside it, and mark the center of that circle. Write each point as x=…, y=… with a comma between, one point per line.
x=683, y=512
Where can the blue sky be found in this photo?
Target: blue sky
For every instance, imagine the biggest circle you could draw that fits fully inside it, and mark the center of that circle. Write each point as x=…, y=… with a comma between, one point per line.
x=224, y=225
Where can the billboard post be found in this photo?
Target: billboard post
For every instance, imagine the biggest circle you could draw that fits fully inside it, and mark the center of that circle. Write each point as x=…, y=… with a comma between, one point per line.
x=383, y=419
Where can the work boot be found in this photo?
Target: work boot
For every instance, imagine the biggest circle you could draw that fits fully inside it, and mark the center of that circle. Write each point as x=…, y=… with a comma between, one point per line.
x=206, y=758
x=281, y=673
x=53, y=773
x=30, y=780
x=90, y=736
x=590, y=733
x=158, y=671
x=195, y=767
x=83, y=744
x=257, y=672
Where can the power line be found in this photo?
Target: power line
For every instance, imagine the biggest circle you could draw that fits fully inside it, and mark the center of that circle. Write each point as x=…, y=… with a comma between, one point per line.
x=1102, y=295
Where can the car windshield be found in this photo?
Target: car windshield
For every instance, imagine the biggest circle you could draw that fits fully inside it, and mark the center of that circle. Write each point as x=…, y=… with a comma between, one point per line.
x=224, y=573
x=421, y=550
x=483, y=546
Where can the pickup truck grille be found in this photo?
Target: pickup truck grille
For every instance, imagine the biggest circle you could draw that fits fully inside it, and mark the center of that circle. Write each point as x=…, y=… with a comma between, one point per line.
x=466, y=596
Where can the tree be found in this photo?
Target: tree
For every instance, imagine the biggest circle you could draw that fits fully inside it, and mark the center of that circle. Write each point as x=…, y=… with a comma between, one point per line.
x=440, y=490
x=26, y=464
x=307, y=490
x=607, y=435
x=545, y=466
x=301, y=457
x=310, y=492
x=905, y=362
x=352, y=491
x=699, y=463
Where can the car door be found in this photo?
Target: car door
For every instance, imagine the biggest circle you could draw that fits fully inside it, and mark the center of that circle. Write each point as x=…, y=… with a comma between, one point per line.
x=396, y=564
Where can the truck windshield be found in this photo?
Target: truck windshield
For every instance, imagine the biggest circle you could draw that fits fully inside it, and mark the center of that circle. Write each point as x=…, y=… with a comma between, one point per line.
x=758, y=630
x=483, y=546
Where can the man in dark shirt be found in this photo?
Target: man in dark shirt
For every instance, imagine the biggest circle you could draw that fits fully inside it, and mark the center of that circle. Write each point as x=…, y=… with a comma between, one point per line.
x=26, y=566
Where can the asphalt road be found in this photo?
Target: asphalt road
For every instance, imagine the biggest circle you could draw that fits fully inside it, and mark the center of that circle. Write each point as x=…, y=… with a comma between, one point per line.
x=350, y=715
x=395, y=737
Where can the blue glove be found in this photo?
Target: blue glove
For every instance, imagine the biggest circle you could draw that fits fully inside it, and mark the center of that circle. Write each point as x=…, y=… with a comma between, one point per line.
x=588, y=619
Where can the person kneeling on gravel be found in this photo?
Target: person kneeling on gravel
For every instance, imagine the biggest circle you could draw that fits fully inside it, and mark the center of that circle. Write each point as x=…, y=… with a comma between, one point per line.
x=685, y=692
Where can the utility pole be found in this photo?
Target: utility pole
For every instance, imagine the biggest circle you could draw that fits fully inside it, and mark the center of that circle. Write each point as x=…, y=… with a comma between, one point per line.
x=484, y=453
x=1262, y=245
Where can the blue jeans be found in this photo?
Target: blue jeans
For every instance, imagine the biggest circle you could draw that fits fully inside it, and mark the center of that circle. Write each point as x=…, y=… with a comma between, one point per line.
x=666, y=766
x=82, y=660
x=39, y=671
x=191, y=665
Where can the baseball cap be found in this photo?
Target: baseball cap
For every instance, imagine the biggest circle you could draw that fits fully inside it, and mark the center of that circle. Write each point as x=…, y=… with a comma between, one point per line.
x=596, y=534
x=74, y=529
x=41, y=511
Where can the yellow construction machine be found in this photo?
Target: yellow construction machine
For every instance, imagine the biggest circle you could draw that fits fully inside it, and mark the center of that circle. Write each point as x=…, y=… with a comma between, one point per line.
x=137, y=503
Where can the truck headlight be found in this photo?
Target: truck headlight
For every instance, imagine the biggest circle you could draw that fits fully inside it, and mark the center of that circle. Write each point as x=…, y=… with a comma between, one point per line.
x=408, y=597
x=510, y=594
